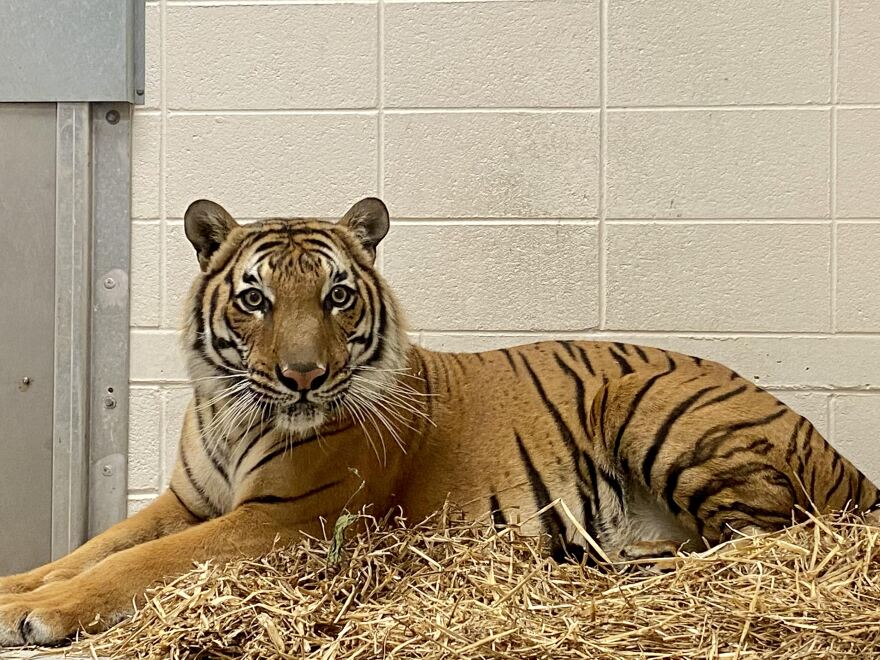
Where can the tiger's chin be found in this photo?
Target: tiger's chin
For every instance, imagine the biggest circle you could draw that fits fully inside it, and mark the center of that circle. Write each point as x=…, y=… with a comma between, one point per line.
x=300, y=418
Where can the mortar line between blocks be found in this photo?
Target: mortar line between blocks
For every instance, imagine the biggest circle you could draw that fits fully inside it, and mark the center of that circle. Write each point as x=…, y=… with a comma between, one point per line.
x=832, y=192
x=380, y=116
x=603, y=153
x=163, y=150
x=406, y=110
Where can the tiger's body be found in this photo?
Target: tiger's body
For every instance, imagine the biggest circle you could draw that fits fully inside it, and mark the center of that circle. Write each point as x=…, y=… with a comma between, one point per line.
x=308, y=400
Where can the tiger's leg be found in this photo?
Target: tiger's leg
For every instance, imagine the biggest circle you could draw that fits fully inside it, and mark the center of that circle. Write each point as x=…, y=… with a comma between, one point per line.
x=101, y=595
x=165, y=515
x=632, y=528
x=709, y=449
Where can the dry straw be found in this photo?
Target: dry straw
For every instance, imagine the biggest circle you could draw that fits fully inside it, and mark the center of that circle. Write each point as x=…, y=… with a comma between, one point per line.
x=455, y=589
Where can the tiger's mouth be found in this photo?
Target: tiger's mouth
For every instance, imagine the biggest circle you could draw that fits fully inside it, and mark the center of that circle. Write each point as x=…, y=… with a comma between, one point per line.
x=300, y=416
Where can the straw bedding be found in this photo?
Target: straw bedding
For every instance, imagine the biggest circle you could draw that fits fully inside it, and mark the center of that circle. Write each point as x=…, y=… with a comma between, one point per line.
x=455, y=589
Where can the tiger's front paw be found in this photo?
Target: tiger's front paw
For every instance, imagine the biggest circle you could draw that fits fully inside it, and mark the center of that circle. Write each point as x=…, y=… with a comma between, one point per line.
x=53, y=614
x=21, y=583
x=25, y=582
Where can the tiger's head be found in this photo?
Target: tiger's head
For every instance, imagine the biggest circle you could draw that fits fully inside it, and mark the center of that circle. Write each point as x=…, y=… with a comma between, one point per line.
x=289, y=319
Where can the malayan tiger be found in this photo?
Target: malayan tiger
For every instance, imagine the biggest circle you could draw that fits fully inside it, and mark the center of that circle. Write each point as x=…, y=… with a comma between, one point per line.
x=308, y=400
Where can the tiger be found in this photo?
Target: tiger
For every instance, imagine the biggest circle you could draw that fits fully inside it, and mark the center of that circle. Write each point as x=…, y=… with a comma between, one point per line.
x=309, y=400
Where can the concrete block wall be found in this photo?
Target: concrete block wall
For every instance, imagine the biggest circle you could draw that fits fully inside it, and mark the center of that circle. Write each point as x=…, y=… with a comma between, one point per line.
x=703, y=176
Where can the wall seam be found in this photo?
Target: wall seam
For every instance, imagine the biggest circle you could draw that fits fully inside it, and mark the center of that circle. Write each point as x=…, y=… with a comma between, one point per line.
x=835, y=42
x=380, y=117
x=603, y=159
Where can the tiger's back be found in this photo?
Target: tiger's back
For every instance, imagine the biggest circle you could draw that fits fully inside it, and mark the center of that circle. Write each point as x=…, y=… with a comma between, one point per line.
x=644, y=446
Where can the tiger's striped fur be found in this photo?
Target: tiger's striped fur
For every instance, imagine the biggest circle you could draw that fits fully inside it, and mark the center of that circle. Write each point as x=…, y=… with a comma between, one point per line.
x=649, y=450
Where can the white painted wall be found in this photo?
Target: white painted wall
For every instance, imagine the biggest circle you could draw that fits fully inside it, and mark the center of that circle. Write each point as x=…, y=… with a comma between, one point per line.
x=703, y=176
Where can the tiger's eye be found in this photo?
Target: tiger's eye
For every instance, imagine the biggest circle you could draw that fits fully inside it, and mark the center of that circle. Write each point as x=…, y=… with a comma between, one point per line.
x=253, y=299
x=340, y=296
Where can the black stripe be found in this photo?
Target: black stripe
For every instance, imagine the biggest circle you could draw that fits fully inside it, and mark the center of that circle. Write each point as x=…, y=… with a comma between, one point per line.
x=792, y=441
x=739, y=475
x=603, y=405
x=567, y=347
x=586, y=359
x=253, y=443
x=704, y=449
x=284, y=446
x=218, y=467
x=551, y=521
x=591, y=505
x=183, y=504
x=623, y=348
x=860, y=484
x=507, y=355
x=561, y=426
x=663, y=432
x=612, y=482
x=196, y=486
x=752, y=511
x=697, y=361
x=196, y=314
x=580, y=393
x=722, y=397
x=625, y=367
x=636, y=401
x=498, y=517
x=274, y=499
x=760, y=446
x=641, y=353
x=836, y=467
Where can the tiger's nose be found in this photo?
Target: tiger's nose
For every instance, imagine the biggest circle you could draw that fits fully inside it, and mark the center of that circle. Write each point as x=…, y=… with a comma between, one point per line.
x=300, y=377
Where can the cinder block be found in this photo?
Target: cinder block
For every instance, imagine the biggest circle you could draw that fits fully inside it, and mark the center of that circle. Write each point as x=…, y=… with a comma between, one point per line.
x=520, y=165
x=143, y=438
x=858, y=163
x=522, y=277
x=146, y=135
x=720, y=277
x=681, y=52
x=858, y=77
x=858, y=272
x=718, y=164
x=271, y=165
x=146, y=249
x=269, y=56
x=156, y=356
x=492, y=54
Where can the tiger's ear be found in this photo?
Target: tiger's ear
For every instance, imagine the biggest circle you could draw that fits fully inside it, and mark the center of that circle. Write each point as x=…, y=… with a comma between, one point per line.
x=207, y=224
x=368, y=220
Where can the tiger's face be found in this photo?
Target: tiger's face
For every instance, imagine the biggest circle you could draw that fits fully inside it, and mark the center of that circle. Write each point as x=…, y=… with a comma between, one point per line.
x=289, y=320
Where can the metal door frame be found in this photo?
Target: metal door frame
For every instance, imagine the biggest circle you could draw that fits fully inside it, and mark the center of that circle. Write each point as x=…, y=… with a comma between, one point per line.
x=92, y=261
